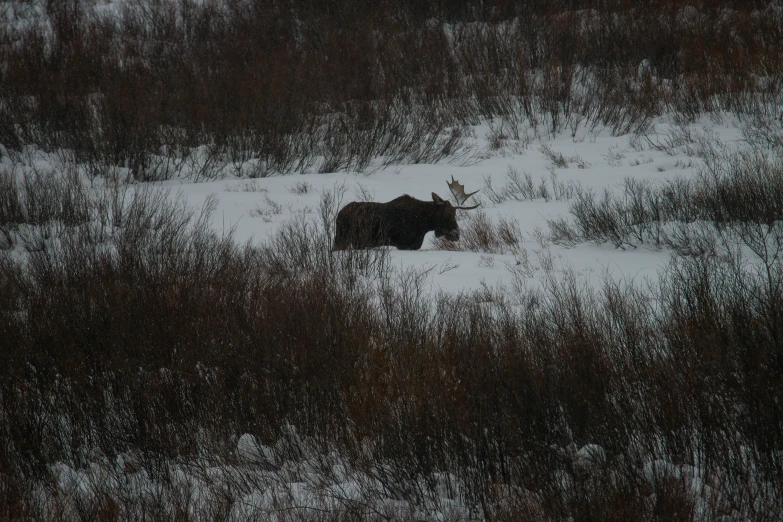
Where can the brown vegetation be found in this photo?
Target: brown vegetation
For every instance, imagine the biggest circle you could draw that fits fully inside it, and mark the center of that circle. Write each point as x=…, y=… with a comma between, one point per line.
x=129, y=329
x=159, y=339
x=308, y=87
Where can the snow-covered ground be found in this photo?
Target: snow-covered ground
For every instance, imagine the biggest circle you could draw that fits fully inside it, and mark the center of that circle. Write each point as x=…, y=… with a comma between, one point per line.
x=262, y=485
x=256, y=208
x=271, y=482
x=252, y=481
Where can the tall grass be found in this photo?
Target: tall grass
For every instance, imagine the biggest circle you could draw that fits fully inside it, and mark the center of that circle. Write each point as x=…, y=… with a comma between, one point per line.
x=163, y=89
x=736, y=198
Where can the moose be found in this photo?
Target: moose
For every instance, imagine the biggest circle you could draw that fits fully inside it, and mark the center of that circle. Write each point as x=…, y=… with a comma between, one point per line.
x=402, y=222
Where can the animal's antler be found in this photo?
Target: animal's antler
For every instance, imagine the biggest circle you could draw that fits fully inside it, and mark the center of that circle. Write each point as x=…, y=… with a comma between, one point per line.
x=458, y=190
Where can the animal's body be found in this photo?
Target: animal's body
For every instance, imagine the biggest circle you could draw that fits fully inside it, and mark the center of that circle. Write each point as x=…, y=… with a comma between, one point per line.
x=402, y=222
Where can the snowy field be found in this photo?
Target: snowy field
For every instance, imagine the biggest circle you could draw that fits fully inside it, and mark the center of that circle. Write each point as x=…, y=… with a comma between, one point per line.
x=531, y=184
x=278, y=479
x=294, y=477
x=595, y=162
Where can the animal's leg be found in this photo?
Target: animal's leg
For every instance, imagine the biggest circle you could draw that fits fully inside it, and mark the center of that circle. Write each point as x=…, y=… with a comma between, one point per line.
x=341, y=239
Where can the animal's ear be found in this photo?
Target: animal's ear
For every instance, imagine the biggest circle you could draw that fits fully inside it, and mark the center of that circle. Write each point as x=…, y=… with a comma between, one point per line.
x=437, y=199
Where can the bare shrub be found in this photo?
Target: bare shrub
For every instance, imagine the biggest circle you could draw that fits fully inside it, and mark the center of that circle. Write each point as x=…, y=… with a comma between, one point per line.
x=735, y=192
x=517, y=187
x=163, y=343
x=301, y=188
x=520, y=187
x=267, y=209
x=479, y=234
x=556, y=159
x=144, y=87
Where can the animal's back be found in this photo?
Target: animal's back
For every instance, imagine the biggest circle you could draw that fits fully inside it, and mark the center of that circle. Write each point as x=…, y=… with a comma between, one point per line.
x=371, y=224
x=402, y=201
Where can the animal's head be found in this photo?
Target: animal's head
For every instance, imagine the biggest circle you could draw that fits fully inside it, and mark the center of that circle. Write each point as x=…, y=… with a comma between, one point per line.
x=446, y=219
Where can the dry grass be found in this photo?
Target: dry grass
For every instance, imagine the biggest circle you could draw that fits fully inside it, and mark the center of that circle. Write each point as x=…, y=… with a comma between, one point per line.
x=184, y=88
x=128, y=328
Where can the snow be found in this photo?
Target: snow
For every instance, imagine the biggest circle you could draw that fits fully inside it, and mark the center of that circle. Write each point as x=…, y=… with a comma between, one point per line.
x=256, y=208
x=249, y=449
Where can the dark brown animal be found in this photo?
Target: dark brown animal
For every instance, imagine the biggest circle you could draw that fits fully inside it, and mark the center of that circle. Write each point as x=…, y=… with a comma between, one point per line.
x=402, y=222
